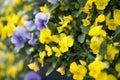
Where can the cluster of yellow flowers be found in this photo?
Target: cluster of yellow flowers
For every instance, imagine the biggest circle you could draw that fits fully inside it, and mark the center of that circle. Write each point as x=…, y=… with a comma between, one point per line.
x=97, y=34
x=62, y=44
x=10, y=20
x=73, y=33
x=8, y=67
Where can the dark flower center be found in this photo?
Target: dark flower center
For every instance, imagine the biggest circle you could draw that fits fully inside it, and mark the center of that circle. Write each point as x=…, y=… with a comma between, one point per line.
x=42, y=22
x=20, y=38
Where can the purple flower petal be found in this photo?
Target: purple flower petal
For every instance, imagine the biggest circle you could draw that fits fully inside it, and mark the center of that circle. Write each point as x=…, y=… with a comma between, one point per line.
x=32, y=76
x=32, y=41
x=18, y=37
x=53, y=1
x=41, y=20
x=30, y=26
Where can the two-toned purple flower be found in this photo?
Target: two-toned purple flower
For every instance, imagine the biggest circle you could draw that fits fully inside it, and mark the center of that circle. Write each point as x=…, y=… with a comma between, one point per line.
x=41, y=20
x=20, y=36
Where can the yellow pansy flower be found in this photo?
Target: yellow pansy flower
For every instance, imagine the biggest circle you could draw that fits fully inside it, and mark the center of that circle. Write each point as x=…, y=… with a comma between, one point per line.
x=64, y=22
x=11, y=71
x=1, y=27
x=57, y=51
x=116, y=16
x=10, y=29
x=61, y=70
x=117, y=68
x=7, y=31
x=102, y=76
x=27, y=7
x=101, y=4
x=4, y=33
x=111, y=77
x=44, y=9
x=86, y=22
x=10, y=57
x=55, y=38
x=62, y=35
x=45, y=36
x=48, y=49
x=41, y=58
x=97, y=31
x=111, y=52
x=2, y=46
x=65, y=43
x=78, y=71
x=34, y=66
x=95, y=44
x=95, y=47
x=70, y=41
x=100, y=18
x=20, y=65
x=88, y=6
x=96, y=67
x=17, y=2
x=110, y=22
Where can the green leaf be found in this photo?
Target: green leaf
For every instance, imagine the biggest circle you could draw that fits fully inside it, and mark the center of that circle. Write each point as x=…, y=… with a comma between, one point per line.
x=50, y=69
x=117, y=31
x=51, y=25
x=84, y=29
x=54, y=7
x=81, y=38
x=82, y=2
x=117, y=34
x=103, y=48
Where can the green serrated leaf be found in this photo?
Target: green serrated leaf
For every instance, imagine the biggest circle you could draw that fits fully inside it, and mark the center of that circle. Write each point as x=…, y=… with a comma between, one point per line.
x=81, y=38
x=103, y=48
x=84, y=29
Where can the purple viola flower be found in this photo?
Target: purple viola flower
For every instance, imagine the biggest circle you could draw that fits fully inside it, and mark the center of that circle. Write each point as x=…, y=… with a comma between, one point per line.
x=32, y=76
x=53, y=1
x=41, y=20
x=30, y=26
x=19, y=37
x=32, y=41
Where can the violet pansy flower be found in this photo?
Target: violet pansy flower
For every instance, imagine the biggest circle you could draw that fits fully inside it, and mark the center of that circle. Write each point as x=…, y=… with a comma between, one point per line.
x=41, y=20
x=32, y=41
x=32, y=76
x=53, y=1
x=30, y=26
x=19, y=37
